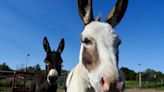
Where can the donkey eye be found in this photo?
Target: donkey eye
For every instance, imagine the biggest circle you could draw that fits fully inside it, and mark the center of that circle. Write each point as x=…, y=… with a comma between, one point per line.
x=87, y=41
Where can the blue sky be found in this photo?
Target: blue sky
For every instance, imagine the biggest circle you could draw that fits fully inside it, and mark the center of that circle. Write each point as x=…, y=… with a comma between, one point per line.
x=24, y=23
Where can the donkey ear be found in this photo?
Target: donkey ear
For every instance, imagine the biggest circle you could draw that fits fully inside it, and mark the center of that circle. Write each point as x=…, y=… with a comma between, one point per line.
x=117, y=12
x=85, y=11
x=46, y=45
x=61, y=46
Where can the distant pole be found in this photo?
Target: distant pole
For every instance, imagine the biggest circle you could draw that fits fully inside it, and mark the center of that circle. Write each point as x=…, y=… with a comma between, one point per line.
x=140, y=78
x=155, y=81
x=27, y=62
x=161, y=81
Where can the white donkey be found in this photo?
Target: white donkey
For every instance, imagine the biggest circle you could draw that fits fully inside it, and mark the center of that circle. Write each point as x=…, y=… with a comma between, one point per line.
x=98, y=60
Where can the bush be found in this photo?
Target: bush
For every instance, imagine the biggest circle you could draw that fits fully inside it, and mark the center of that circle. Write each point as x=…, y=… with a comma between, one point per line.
x=5, y=83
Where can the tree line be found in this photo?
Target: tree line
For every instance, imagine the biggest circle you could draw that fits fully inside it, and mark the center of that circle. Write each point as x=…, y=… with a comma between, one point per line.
x=35, y=68
x=129, y=74
x=147, y=75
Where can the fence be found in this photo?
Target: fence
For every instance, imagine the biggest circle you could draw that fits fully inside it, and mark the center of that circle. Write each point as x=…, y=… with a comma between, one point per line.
x=17, y=80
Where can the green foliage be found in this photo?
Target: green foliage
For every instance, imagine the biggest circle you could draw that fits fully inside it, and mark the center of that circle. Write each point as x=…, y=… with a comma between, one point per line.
x=35, y=68
x=131, y=84
x=128, y=73
x=4, y=67
x=151, y=75
x=62, y=78
x=5, y=83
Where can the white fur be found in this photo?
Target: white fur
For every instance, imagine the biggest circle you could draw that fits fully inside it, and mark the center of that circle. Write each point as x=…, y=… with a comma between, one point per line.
x=52, y=73
x=79, y=78
x=105, y=37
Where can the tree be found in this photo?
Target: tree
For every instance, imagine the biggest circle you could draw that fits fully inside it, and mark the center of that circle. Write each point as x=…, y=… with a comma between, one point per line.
x=4, y=67
x=35, y=68
x=128, y=73
x=152, y=75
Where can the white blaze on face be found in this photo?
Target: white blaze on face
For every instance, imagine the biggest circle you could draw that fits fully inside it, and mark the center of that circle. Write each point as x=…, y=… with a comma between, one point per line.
x=52, y=73
x=105, y=39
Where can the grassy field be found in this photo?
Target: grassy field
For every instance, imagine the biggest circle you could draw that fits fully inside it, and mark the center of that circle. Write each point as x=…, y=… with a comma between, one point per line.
x=143, y=90
x=5, y=89
x=154, y=85
x=131, y=86
x=8, y=89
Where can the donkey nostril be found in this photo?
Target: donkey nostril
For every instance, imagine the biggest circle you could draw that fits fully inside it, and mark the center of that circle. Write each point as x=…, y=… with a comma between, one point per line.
x=52, y=78
x=102, y=82
x=105, y=85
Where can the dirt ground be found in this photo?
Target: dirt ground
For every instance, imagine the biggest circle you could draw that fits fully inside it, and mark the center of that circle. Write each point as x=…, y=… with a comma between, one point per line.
x=143, y=90
x=135, y=90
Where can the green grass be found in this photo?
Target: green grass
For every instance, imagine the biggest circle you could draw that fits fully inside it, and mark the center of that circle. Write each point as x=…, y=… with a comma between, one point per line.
x=5, y=83
x=135, y=84
x=5, y=86
x=131, y=84
x=5, y=89
x=161, y=88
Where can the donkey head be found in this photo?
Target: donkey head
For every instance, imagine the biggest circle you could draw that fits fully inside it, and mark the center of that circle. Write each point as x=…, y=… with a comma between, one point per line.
x=99, y=45
x=53, y=61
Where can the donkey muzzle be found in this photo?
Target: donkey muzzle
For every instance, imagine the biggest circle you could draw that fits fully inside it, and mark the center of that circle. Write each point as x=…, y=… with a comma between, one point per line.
x=52, y=76
x=114, y=86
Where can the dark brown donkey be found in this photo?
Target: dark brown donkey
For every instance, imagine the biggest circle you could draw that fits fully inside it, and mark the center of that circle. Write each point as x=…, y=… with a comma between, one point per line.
x=46, y=81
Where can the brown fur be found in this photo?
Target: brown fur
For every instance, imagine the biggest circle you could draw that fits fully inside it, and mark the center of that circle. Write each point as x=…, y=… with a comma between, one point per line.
x=90, y=57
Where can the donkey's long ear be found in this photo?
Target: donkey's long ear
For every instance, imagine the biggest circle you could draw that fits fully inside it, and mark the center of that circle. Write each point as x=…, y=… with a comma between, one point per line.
x=117, y=12
x=85, y=11
x=46, y=45
x=61, y=46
